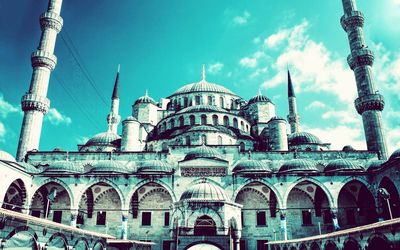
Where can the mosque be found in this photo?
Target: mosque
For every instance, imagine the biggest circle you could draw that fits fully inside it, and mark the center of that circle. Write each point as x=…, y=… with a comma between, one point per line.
x=203, y=165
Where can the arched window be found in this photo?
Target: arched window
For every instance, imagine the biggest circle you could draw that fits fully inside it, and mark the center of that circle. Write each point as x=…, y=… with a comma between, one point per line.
x=187, y=138
x=242, y=125
x=219, y=140
x=172, y=123
x=192, y=120
x=215, y=119
x=226, y=121
x=185, y=102
x=198, y=100
x=205, y=226
x=164, y=147
x=181, y=121
x=235, y=123
x=164, y=127
x=222, y=102
x=204, y=139
x=242, y=147
x=203, y=119
x=210, y=100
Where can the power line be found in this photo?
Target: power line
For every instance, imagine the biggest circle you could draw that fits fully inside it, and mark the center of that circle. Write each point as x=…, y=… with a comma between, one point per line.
x=75, y=54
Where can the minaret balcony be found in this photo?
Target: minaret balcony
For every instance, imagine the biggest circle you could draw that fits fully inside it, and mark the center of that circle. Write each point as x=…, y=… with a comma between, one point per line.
x=42, y=58
x=352, y=20
x=51, y=20
x=35, y=102
x=369, y=102
x=360, y=57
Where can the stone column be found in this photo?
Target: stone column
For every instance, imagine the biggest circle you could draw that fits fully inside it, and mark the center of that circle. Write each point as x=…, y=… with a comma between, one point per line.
x=74, y=217
x=283, y=225
x=335, y=221
x=236, y=240
x=35, y=103
x=124, y=234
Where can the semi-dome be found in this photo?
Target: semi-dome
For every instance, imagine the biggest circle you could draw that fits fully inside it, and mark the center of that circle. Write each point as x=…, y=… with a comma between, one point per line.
x=374, y=165
x=259, y=98
x=64, y=166
x=277, y=118
x=298, y=166
x=204, y=190
x=203, y=128
x=145, y=99
x=342, y=165
x=251, y=166
x=5, y=156
x=201, y=108
x=103, y=139
x=111, y=166
x=348, y=148
x=202, y=86
x=154, y=167
x=395, y=155
x=202, y=152
x=300, y=138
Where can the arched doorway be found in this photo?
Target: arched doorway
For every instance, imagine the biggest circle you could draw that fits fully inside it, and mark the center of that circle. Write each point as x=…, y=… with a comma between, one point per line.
x=307, y=206
x=21, y=240
x=57, y=242
x=387, y=184
x=378, y=243
x=15, y=196
x=205, y=226
x=351, y=244
x=330, y=245
x=356, y=205
x=315, y=246
x=303, y=247
x=203, y=246
x=52, y=201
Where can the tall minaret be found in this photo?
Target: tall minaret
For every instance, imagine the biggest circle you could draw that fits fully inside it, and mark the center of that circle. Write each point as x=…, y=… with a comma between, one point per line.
x=293, y=118
x=35, y=103
x=369, y=103
x=113, y=117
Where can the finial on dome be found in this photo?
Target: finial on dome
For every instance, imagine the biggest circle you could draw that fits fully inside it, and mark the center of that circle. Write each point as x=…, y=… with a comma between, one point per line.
x=259, y=91
x=146, y=93
x=119, y=67
x=203, y=73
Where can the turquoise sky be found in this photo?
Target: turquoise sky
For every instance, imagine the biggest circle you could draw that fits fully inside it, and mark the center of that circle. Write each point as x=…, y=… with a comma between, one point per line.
x=161, y=46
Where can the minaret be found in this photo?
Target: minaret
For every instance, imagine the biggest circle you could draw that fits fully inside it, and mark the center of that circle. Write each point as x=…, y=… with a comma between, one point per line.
x=293, y=118
x=369, y=103
x=113, y=118
x=35, y=103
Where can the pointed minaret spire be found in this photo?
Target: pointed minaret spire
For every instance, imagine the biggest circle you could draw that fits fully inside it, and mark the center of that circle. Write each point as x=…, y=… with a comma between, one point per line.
x=113, y=117
x=203, y=73
x=293, y=118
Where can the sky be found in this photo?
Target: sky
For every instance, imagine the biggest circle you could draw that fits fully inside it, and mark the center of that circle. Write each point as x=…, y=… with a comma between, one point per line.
x=161, y=46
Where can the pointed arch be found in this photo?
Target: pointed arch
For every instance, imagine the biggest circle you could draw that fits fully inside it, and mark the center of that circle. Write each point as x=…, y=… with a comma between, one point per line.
x=58, y=181
x=15, y=197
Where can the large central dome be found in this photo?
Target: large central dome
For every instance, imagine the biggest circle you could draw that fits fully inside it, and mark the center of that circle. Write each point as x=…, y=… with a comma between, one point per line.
x=202, y=86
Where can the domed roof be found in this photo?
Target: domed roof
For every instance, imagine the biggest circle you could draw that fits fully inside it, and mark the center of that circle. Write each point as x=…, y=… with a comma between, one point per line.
x=111, y=166
x=202, y=86
x=202, y=152
x=104, y=138
x=4, y=156
x=259, y=98
x=201, y=108
x=204, y=190
x=130, y=118
x=64, y=166
x=348, y=148
x=203, y=128
x=276, y=118
x=374, y=164
x=395, y=155
x=154, y=166
x=145, y=99
x=342, y=165
x=300, y=138
x=250, y=165
x=298, y=166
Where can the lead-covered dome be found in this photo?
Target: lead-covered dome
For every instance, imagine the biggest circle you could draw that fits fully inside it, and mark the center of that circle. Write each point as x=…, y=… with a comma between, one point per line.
x=251, y=166
x=204, y=190
x=103, y=139
x=395, y=155
x=5, y=156
x=259, y=98
x=298, y=166
x=202, y=86
x=342, y=165
x=64, y=167
x=301, y=138
x=111, y=166
x=154, y=167
x=145, y=99
x=201, y=108
x=202, y=152
x=204, y=128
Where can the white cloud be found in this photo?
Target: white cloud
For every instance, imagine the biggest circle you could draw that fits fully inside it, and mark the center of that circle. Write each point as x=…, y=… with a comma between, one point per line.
x=82, y=139
x=215, y=68
x=315, y=105
x=342, y=116
x=276, y=39
x=2, y=132
x=242, y=19
x=248, y=62
x=396, y=2
x=6, y=108
x=256, y=40
x=56, y=118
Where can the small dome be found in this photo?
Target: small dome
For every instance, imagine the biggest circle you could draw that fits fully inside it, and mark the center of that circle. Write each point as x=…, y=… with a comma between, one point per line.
x=103, y=139
x=203, y=128
x=64, y=166
x=342, y=165
x=111, y=167
x=259, y=98
x=395, y=155
x=202, y=152
x=130, y=118
x=276, y=118
x=201, y=108
x=204, y=190
x=154, y=167
x=298, y=166
x=145, y=99
x=348, y=148
x=4, y=156
x=202, y=86
x=374, y=165
x=301, y=138
x=254, y=166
